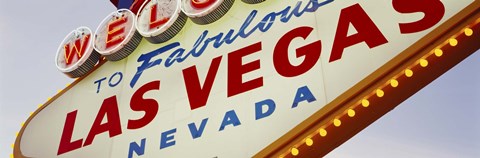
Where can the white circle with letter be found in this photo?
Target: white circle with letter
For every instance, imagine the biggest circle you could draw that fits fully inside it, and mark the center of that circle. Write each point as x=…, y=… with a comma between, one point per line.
x=75, y=55
x=160, y=20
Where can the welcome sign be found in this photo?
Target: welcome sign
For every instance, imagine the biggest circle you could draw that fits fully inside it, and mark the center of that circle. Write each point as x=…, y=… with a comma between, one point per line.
x=227, y=87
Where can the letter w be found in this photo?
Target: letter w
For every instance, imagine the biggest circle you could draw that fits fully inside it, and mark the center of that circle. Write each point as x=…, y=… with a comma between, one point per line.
x=78, y=49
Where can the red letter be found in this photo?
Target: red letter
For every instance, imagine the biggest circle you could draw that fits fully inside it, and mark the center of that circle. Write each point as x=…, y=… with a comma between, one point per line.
x=433, y=10
x=150, y=106
x=236, y=69
x=201, y=4
x=311, y=52
x=367, y=31
x=65, y=142
x=198, y=95
x=115, y=35
x=135, y=6
x=78, y=49
x=153, y=18
x=109, y=108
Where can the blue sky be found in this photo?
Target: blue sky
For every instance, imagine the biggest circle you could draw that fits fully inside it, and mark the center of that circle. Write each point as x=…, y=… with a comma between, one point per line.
x=442, y=120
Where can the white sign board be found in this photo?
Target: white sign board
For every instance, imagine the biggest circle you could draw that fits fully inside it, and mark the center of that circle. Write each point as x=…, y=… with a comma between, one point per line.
x=232, y=87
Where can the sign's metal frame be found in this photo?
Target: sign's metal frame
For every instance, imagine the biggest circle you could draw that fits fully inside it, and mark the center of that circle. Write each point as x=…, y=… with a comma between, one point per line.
x=383, y=90
x=371, y=98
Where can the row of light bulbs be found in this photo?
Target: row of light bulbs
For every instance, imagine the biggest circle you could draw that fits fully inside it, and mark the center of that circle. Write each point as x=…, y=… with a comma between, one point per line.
x=393, y=82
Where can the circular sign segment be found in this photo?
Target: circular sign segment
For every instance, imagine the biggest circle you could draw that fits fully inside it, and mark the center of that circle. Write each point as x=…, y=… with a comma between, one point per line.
x=206, y=11
x=76, y=56
x=116, y=37
x=160, y=20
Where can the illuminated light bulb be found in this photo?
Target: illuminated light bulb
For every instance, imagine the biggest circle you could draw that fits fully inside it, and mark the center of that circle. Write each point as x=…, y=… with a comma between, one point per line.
x=11, y=155
x=68, y=84
x=453, y=42
x=394, y=83
x=423, y=62
x=468, y=32
x=309, y=141
x=40, y=105
x=31, y=113
x=59, y=91
x=337, y=122
x=380, y=93
x=351, y=112
x=322, y=132
x=23, y=124
x=438, y=52
x=49, y=98
x=408, y=73
x=365, y=103
x=13, y=145
x=294, y=151
x=16, y=134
